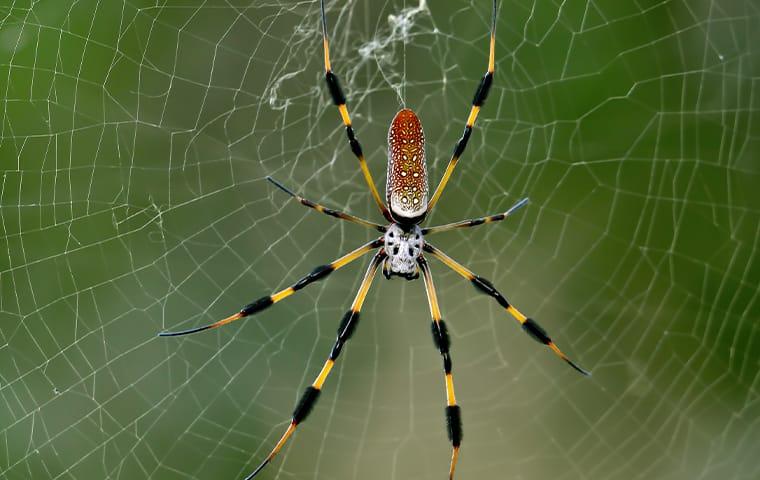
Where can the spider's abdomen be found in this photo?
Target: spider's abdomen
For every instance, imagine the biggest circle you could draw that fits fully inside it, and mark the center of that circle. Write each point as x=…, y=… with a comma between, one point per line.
x=407, y=189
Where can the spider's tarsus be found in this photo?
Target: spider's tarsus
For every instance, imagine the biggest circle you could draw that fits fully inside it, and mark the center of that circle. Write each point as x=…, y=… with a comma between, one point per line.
x=580, y=370
x=517, y=206
x=493, y=18
x=185, y=332
x=216, y=324
x=281, y=186
x=258, y=469
x=324, y=17
x=564, y=357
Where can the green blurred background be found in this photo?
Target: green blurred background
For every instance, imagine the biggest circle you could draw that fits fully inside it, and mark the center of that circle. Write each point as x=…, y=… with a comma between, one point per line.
x=135, y=139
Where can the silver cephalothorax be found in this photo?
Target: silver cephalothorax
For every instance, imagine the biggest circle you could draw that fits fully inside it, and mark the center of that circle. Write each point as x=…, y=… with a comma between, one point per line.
x=403, y=247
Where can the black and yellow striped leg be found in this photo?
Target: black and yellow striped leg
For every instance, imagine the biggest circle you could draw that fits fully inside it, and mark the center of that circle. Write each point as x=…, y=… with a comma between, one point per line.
x=477, y=102
x=264, y=302
x=339, y=99
x=529, y=325
x=442, y=343
x=345, y=330
x=327, y=211
x=474, y=222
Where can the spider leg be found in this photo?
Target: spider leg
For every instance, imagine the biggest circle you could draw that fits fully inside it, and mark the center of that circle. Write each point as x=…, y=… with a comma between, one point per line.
x=345, y=330
x=442, y=342
x=474, y=222
x=327, y=211
x=264, y=302
x=529, y=325
x=477, y=102
x=339, y=99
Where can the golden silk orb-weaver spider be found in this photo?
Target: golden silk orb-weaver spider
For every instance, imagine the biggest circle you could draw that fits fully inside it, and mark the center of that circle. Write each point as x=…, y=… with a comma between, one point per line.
x=402, y=247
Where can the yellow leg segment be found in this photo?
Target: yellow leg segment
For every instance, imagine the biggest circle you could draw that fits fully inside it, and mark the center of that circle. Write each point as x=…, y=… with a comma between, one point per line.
x=339, y=100
x=310, y=396
x=480, y=97
x=323, y=374
x=529, y=325
x=327, y=211
x=441, y=339
x=474, y=222
x=265, y=302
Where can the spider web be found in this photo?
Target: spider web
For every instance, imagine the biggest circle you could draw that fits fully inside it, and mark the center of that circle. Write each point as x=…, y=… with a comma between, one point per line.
x=135, y=141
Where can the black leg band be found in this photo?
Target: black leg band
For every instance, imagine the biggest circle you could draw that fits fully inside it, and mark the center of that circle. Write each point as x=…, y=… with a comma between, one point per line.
x=305, y=405
x=335, y=91
x=454, y=424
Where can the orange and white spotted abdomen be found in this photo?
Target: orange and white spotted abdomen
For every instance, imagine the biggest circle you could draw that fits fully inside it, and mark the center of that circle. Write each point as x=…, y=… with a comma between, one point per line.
x=406, y=190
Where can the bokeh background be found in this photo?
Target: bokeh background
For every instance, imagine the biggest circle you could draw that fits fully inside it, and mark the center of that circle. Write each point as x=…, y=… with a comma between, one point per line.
x=135, y=138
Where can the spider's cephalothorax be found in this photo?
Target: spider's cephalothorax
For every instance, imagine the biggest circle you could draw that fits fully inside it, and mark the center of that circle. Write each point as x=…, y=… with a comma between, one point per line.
x=401, y=250
x=403, y=245
x=406, y=189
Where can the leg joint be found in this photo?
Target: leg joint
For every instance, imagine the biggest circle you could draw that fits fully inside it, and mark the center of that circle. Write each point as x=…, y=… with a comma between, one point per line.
x=345, y=331
x=334, y=87
x=485, y=286
x=446, y=363
x=348, y=324
x=356, y=147
x=256, y=306
x=441, y=336
x=462, y=143
x=482, y=92
x=317, y=274
x=536, y=332
x=454, y=424
x=305, y=404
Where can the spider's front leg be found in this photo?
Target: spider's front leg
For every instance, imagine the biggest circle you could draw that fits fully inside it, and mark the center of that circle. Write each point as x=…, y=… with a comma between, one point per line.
x=339, y=99
x=327, y=211
x=346, y=329
x=481, y=93
x=442, y=343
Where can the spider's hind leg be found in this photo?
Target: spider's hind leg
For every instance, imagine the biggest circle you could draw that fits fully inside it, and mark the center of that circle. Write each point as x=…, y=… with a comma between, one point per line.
x=311, y=394
x=442, y=343
x=339, y=99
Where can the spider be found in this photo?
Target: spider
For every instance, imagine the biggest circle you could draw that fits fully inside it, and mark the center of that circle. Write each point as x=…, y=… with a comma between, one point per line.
x=402, y=247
